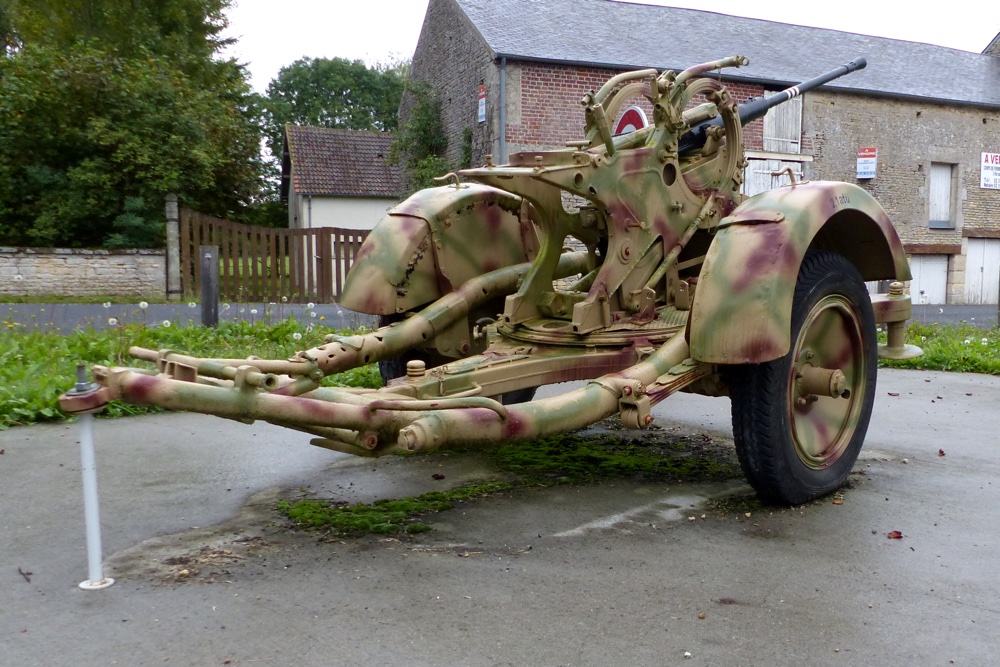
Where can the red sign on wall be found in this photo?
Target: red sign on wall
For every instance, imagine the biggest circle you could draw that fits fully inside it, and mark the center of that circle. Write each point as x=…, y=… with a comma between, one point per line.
x=633, y=119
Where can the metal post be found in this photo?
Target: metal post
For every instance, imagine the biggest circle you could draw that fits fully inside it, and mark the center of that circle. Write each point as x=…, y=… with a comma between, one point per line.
x=173, y=249
x=209, y=285
x=91, y=510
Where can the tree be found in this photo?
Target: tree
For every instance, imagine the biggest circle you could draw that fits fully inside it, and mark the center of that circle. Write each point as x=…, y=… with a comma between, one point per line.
x=9, y=39
x=185, y=31
x=90, y=122
x=332, y=92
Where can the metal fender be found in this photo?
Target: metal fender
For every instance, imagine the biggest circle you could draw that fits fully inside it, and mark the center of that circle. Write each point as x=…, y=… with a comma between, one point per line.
x=435, y=241
x=742, y=307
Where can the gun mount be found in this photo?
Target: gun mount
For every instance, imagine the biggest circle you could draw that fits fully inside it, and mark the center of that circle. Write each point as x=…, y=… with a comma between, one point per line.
x=679, y=282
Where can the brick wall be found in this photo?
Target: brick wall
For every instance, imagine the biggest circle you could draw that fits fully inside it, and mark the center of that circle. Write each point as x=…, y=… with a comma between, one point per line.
x=548, y=112
x=77, y=273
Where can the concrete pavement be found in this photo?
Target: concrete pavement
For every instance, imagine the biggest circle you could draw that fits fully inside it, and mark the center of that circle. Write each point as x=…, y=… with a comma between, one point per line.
x=609, y=574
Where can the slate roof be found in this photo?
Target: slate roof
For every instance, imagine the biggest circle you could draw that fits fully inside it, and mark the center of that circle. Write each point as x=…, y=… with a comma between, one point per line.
x=345, y=163
x=631, y=36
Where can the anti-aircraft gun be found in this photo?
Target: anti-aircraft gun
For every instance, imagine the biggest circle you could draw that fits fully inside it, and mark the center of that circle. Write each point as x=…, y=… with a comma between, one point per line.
x=679, y=282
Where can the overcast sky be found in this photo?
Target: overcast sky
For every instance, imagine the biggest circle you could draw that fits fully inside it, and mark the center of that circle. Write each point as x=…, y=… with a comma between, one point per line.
x=273, y=34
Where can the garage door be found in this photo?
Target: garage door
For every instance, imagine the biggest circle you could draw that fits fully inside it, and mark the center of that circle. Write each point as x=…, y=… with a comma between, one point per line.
x=982, y=271
x=930, y=278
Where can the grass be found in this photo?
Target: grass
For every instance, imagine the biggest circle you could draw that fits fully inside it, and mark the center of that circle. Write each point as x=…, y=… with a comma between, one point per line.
x=960, y=348
x=387, y=516
x=654, y=456
x=36, y=367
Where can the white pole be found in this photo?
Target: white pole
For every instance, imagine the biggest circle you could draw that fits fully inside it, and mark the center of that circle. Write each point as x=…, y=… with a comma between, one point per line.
x=92, y=513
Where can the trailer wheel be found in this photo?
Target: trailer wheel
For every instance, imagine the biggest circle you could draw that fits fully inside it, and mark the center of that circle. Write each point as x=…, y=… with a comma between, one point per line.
x=799, y=421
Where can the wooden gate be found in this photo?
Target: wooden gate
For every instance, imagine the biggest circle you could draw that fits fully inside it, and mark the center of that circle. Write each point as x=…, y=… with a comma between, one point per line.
x=264, y=264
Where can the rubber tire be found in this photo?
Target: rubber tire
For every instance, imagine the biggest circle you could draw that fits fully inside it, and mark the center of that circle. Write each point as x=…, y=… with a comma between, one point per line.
x=762, y=404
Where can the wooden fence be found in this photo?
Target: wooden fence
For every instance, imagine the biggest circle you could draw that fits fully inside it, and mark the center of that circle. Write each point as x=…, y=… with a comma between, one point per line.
x=264, y=264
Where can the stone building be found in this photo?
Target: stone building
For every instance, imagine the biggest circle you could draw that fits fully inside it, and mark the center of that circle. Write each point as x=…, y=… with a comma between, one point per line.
x=514, y=71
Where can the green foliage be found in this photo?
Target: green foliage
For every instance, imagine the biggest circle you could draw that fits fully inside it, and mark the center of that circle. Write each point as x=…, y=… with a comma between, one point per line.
x=466, y=160
x=575, y=458
x=112, y=99
x=37, y=367
x=421, y=143
x=187, y=32
x=331, y=92
x=386, y=516
x=959, y=348
x=137, y=227
x=9, y=38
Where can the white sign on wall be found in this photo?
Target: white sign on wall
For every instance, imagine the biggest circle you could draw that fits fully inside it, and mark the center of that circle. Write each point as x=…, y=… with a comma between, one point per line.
x=481, y=115
x=989, y=171
x=867, y=162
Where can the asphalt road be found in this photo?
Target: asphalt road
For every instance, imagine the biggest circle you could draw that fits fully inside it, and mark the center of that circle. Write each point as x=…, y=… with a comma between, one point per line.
x=610, y=574
x=69, y=316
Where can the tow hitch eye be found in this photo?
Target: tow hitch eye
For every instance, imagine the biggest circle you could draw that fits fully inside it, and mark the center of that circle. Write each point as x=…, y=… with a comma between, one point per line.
x=814, y=382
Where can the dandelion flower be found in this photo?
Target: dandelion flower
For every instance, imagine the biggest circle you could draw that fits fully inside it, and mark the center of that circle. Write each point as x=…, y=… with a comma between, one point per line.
x=967, y=341
x=985, y=341
x=284, y=299
x=166, y=323
x=143, y=305
x=923, y=338
x=253, y=311
x=322, y=317
x=192, y=304
x=310, y=305
x=112, y=321
x=296, y=336
x=312, y=313
x=225, y=306
x=106, y=304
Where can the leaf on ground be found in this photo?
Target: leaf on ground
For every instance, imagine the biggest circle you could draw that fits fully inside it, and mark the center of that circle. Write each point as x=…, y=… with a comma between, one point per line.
x=895, y=535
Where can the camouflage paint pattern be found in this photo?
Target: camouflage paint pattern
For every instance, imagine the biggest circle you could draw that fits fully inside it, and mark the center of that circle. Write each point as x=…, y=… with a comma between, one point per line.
x=750, y=270
x=663, y=222
x=421, y=250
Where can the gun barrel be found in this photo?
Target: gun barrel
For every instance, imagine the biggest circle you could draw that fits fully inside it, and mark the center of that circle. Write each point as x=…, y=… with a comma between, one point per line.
x=756, y=108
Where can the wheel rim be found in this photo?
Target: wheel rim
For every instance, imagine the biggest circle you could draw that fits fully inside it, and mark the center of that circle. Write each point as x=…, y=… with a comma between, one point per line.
x=831, y=337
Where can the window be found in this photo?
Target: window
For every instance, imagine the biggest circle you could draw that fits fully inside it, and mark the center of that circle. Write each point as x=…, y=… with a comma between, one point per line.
x=783, y=127
x=942, y=196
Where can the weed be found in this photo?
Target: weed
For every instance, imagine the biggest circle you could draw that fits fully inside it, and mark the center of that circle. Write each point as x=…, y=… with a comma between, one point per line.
x=562, y=459
x=655, y=455
x=387, y=516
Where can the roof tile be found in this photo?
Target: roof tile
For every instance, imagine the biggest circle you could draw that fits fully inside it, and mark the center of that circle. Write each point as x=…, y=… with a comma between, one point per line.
x=348, y=163
x=627, y=35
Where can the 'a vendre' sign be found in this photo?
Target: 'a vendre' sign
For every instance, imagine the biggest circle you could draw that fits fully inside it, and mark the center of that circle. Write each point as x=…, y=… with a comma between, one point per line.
x=989, y=172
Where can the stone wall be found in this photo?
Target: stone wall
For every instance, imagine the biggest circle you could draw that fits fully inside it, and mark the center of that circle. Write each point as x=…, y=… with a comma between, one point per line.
x=79, y=273
x=910, y=135
x=453, y=58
